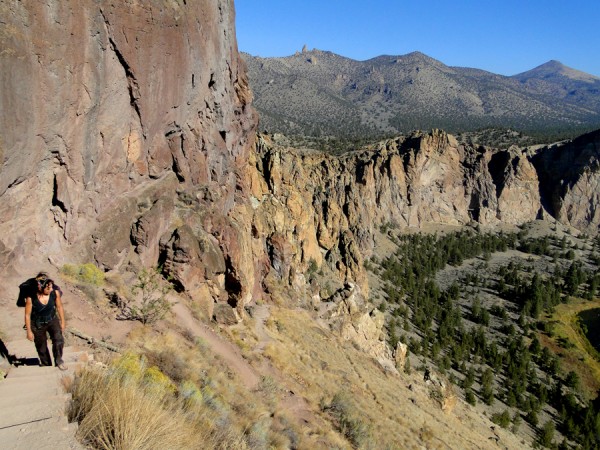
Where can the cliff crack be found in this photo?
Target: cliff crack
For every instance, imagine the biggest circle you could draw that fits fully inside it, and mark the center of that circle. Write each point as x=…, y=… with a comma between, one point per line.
x=132, y=83
x=55, y=199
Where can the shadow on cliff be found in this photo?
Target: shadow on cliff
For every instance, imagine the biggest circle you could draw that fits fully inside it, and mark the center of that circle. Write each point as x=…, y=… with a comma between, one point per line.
x=560, y=166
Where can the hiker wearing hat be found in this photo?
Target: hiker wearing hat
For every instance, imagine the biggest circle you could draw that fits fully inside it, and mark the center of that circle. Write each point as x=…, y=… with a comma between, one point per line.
x=44, y=316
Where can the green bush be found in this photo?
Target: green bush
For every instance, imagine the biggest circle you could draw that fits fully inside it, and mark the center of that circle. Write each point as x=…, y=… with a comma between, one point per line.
x=353, y=428
x=502, y=419
x=84, y=273
x=470, y=397
x=547, y=434
x=313, y=268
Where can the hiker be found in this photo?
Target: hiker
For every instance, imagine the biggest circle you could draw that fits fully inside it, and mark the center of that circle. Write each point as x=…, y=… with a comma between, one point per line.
x=44, y=315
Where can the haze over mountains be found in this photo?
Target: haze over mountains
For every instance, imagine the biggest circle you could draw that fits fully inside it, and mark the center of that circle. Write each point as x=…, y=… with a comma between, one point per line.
x=319, y=93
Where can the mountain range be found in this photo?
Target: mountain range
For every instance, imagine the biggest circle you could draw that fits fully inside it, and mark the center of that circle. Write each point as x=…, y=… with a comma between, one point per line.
x=320, y=93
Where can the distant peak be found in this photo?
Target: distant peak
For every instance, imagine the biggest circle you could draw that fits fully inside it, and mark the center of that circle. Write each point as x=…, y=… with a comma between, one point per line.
x=552, y=64
x=554, y=68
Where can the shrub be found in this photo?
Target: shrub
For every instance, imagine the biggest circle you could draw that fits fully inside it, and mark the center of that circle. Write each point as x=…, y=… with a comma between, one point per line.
x=149, y=303
x=130, y=406
x=516, y=422
x=470, y=397
x=532, y=418
x=170, y=363
x=190, y=394
x=84, y=273
x=313, y=268
x=87, y=277
x=547, y=434
x=502, y=419
x=354, y=429
x=572, y=380
x=116, y=412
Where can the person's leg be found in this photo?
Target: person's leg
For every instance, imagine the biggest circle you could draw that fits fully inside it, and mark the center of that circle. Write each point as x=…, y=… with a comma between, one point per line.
x=40, y=339
x=58, y=341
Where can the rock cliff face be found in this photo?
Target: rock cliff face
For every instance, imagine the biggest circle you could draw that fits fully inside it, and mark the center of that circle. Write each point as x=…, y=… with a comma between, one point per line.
x=328, y=206
x=313, y=208
x=118, y=120
x=127, y=138
x=570, y=181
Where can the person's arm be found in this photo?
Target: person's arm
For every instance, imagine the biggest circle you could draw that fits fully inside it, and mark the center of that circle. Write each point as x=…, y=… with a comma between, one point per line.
x=28, y=308
x=60, y=311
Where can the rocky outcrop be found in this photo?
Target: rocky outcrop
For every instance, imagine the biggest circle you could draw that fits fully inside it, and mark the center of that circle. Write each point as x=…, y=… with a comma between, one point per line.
x=400, y=355
x=327, y=207
x=570, y=181
x=314, y=208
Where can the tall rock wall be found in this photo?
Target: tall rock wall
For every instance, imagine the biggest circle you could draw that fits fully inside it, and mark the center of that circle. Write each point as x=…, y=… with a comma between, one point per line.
x=570, y=181
x=116, y=120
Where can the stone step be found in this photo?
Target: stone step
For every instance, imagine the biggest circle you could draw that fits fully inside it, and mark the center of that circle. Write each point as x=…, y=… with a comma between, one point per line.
x=33, y=401
x=23, y=348
x=36, y=416
x=49, y=438
x=32, y=426
x=26, y=396
x=42, y=408
x=49, y=371
x=16, y=387
x=33, y=371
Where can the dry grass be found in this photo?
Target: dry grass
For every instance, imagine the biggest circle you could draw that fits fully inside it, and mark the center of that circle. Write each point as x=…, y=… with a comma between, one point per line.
x=177, y=396
x=377, y=409
x=201, y=403
x=117, y=412
x=582, y=357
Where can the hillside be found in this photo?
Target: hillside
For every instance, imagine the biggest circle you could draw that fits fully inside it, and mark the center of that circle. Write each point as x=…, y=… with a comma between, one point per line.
x=319, y=93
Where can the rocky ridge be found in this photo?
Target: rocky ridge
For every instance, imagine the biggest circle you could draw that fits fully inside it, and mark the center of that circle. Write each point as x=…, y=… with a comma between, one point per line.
x=328, y=207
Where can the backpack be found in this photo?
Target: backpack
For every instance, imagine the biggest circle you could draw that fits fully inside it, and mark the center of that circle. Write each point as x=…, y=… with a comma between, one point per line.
x=29, y=289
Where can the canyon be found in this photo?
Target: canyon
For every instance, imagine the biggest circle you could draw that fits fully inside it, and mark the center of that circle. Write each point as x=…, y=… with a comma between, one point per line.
x=129, y=140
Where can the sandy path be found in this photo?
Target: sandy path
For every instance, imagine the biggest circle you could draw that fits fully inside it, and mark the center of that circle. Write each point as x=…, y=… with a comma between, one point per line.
x=291, y=403
x=227, y=351
x=260, y=314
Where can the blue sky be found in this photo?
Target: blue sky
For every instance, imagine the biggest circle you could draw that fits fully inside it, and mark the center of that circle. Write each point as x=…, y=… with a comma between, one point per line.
x=505, y=37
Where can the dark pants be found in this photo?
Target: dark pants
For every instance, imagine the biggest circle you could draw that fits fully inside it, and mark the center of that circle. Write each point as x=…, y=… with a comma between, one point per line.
x=40, y=337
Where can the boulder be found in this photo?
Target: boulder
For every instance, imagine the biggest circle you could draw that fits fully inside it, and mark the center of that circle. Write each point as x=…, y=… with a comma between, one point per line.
x=400, y=355
x=225, y=314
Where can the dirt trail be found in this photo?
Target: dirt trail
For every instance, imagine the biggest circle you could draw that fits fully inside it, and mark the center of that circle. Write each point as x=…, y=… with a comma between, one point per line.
x=230, y=354
x=260, y=314
x=290, y=402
